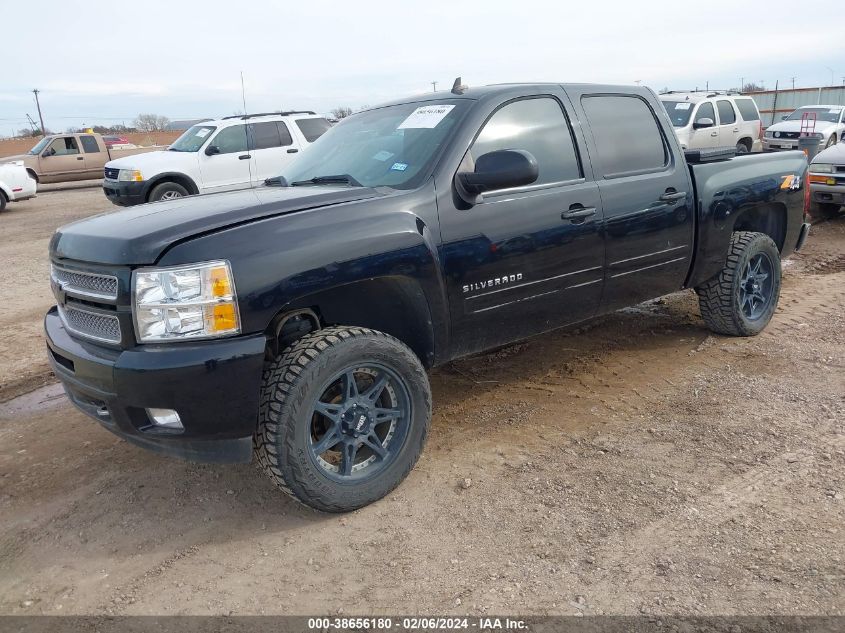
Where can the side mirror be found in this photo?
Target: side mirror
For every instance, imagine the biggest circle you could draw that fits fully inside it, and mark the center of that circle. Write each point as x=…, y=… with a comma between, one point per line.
x=502, y=169
x=703, y=122
x=211, y=150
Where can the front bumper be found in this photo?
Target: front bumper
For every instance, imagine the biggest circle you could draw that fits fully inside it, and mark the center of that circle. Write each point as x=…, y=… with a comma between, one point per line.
x=829, y=194
x=213, y=385
x=125, y=193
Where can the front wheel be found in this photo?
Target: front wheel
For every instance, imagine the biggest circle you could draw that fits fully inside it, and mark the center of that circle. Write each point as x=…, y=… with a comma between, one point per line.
x=741, y=299
x=2, y=201
x=167, y=191
x=345, y=413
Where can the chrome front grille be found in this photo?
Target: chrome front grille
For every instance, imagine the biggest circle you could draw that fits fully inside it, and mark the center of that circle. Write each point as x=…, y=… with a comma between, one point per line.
x=89, y=284
x=93, y=325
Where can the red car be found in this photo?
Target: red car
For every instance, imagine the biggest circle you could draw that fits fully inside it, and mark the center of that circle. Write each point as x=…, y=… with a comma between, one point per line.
x=111, y=140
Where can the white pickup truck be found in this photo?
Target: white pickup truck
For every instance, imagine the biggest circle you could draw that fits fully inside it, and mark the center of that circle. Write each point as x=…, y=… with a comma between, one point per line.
x=16, y=183
x=234, y=152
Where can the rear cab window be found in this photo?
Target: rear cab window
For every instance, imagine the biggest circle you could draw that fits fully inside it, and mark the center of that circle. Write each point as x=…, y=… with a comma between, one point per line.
x=89, y=144
x=312, y=129
x=628, y=137
x=747, y=109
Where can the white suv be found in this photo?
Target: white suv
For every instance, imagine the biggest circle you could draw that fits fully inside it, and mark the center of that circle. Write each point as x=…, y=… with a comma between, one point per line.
x=714, y=119
x=234, y=152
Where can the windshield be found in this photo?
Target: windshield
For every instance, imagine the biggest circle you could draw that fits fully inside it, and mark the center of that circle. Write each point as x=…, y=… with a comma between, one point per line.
x=39, y=147
x=192, y=139
x=831, y=115
x=678, y=111
x=392, y=146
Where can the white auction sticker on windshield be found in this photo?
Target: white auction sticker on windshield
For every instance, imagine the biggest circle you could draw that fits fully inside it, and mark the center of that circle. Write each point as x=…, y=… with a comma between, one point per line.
x=203, y=132
x=426, y=117
x=834, y=111
x=682, y=106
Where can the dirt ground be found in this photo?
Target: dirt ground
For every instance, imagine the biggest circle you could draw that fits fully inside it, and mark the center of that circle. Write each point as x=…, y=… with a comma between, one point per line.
x=637, y=464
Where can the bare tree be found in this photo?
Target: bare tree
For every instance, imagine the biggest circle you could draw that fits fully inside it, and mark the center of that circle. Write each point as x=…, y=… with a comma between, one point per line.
x=752, y=87
x=151, y=123
x=341, y=112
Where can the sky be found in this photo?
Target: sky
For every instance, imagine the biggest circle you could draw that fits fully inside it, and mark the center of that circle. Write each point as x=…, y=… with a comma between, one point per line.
x=101, y=62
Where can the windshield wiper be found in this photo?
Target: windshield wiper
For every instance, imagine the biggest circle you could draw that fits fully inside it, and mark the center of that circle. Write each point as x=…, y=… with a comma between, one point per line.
x=345, y=179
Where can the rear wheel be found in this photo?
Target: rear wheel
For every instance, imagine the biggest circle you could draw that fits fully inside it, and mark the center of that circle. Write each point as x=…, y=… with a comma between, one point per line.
x=167, y=191
x=344, y=417
x=741, y=299
x=742, y=148
x=2, y=201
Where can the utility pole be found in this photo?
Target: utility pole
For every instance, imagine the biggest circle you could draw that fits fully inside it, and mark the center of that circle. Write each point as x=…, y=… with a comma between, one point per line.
x=434, y=86
x=742, y=84
x=793, y=83
x=40, y=116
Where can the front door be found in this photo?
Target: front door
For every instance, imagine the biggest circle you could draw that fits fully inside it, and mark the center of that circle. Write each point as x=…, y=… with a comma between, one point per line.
x=706, y=136
x=647, y=197
x=526, y=259
x=230, y=167
x=62, y=160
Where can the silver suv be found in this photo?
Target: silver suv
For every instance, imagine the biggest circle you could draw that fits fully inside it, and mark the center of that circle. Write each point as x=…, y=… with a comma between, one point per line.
x=714, y=119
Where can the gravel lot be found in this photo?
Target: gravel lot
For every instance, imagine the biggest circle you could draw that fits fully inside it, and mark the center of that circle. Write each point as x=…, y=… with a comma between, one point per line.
x=637, y=464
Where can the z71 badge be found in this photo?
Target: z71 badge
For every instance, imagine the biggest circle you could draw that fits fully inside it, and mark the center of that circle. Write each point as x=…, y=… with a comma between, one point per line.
x=495, y=281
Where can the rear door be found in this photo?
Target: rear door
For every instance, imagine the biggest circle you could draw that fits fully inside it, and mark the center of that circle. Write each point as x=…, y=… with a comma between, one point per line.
x=230, y=168
x=272, y=147
x=728, y=124
x=524, y=259
x=646, y=194
x=95, y=157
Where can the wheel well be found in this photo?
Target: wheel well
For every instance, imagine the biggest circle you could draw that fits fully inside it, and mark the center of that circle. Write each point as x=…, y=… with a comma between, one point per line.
x=179, y=179
x=770, y=220
x=393, y=305
x=33, y=175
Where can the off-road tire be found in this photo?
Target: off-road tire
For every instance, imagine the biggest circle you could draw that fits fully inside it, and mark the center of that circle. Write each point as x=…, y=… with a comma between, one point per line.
x=161, y=190
x=824, y=210
x=718, y=298
x=289, y=389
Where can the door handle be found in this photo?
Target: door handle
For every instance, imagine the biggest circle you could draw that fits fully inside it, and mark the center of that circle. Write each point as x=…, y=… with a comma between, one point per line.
x=714, y=134
x=79, y=157
x=292, y=151
x=578, y=212
x=673, y=196
x=244, y=157
x=736, y=129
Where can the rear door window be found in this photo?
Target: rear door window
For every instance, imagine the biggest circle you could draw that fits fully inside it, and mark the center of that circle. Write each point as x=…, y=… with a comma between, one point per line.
x=726, y=112
x=265, y=135
x=312, y=129
x=747, y=109
x=628, y=137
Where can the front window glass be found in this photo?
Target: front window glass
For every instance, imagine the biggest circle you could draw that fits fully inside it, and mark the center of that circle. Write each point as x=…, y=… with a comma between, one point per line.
x=64, y=146
x=231, y=139
x=192, y=139
x=392, y=146
x=679, y=112
x=830, y=115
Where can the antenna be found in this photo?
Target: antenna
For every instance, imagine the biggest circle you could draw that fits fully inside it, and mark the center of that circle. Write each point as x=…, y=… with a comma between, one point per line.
x=458, y=88
x=246, y=128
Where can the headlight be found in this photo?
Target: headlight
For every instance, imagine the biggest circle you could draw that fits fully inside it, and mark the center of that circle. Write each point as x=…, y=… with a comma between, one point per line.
x=821, y=168
x=185, y=302
x=769, y=134
x=130, y=175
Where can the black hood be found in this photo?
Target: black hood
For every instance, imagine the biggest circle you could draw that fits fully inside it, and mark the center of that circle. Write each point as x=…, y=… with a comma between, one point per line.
x=140, y=235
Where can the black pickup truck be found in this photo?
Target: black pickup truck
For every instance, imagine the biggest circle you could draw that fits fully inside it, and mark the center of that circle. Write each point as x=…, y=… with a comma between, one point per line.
x=296, y=321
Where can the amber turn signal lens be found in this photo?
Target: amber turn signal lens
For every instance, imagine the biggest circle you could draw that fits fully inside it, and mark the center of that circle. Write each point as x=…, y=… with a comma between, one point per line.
x=223, y=318
x=221, y=286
